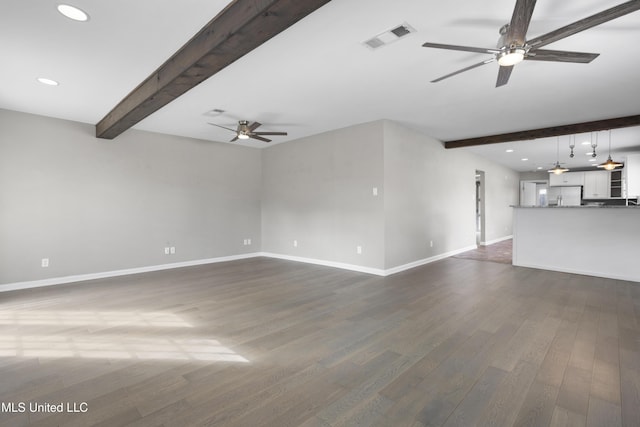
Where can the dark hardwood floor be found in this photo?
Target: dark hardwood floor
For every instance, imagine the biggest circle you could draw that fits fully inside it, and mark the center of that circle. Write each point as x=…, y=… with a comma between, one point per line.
x=266, y=342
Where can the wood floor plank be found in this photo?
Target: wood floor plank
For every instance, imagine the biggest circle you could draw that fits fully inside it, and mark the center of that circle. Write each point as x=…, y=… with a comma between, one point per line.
x=474, y=403
x=629, y=390
x=603, y=413
x=504, y=406
x=574, y=391
x=274, y=343
x=564, y=418
x=538, y=406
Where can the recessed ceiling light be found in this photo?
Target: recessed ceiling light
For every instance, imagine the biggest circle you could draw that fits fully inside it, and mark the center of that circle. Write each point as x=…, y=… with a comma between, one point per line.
x=524, y=159
x=592, y=160
x=586, y=143
x=46, y=81
x=73, y=12
x=509, y=150
x=539, y=167
x=590, y=153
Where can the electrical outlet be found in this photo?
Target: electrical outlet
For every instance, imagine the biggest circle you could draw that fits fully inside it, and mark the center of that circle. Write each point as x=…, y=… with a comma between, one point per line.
x=172, y=250
x=248, y=241
x=359, y=250
x=430, y=243
x=295, y=243
x=375, y=191
x=166, y=250
x=45, y=262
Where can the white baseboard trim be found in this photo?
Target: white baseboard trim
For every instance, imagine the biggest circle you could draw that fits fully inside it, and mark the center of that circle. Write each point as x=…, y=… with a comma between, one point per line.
x=344, y=266
x=501, y=239
x=102, y=275
x=603, y=275
x=424, y=261
x=369, y=270
x=115, y=273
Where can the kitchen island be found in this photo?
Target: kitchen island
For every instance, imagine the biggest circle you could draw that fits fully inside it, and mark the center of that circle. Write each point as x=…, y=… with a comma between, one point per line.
x=602, y=241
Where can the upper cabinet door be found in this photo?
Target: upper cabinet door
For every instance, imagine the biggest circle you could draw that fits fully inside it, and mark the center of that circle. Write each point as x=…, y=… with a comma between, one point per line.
x=596, y=185
x=567, y=178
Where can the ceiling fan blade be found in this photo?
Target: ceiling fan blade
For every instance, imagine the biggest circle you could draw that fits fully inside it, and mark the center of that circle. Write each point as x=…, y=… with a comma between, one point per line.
x=503, y=75
x=520, y=22
x=254, y=136
x=253, y=126
x=462, y=48
x=269, y=133
x=471, y=67
x=586, y=23
x=234, y=139
x=560, y=56
x=213, y=124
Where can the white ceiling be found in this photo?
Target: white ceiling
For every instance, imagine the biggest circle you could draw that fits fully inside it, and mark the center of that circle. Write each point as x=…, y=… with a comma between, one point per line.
x=318, y=76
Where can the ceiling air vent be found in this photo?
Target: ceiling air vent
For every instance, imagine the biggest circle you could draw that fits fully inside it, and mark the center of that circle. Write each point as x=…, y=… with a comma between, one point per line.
x=401, y=31
x=374, y=43
x=389, y=36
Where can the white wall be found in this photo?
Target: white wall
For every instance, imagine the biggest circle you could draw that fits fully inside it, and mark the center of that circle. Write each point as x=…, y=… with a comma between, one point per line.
x=502, y=190
x=319, y=191
x=430, y=196
x=92, y=205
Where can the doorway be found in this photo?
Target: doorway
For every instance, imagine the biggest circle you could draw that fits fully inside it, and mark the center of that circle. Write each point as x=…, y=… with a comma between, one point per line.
x=534, y=193
x=480, y=208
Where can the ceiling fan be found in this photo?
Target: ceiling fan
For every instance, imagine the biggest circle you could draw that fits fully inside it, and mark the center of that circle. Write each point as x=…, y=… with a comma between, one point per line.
x=246, y=131
x=513, y=47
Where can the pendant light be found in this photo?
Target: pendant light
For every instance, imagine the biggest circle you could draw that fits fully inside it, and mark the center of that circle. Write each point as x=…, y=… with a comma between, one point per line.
x=594, y=144
x=557, y=169
x=609, y=164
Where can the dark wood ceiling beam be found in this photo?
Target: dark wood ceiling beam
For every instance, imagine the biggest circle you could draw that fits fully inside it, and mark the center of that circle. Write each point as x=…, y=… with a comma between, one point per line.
x=576, y=128
x=241, y=27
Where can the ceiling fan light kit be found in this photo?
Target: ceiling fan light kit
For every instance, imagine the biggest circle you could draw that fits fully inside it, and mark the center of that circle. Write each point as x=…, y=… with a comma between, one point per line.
x=513, y=47
x=511, y=57
x=246, y=131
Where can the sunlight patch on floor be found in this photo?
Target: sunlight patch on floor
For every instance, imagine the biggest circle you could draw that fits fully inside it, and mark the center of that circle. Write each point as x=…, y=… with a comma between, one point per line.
x=93, y=318
x=93, y=342
x=116, y=347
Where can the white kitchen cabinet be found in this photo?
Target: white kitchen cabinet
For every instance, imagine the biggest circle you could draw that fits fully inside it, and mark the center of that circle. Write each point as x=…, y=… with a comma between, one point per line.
x=566, y=179
x=596, y=185
x=632, y=168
